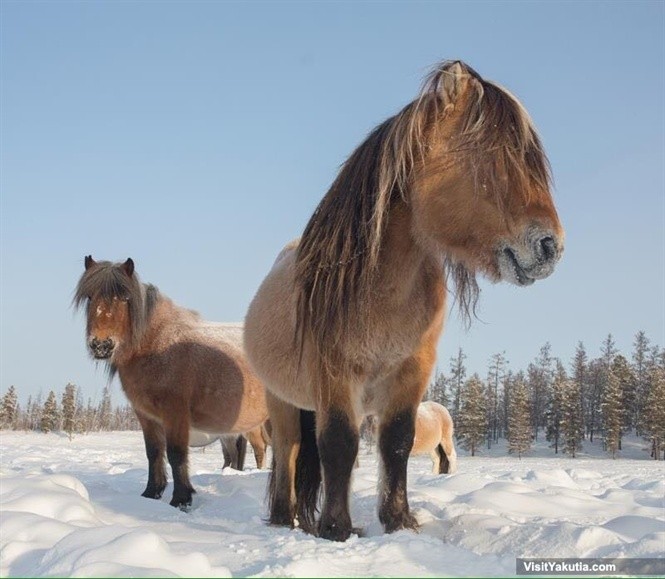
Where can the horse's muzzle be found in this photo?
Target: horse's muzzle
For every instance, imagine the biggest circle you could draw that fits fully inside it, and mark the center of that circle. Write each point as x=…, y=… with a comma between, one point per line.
x=101, y=349
x=533, y=259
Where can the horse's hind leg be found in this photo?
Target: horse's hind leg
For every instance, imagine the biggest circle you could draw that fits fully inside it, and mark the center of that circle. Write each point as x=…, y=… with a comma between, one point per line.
x=285, y=432
x=177, y=439
x=155, y=444
x=255, y=438
x=436, y=460
x=448, y=447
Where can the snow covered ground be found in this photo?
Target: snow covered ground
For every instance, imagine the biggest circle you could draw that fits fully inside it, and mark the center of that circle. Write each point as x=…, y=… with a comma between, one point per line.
x=73, y=508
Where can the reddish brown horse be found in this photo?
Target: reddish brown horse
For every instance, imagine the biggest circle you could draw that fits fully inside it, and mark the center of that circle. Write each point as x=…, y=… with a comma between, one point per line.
x=179, y=372
x=347, y=321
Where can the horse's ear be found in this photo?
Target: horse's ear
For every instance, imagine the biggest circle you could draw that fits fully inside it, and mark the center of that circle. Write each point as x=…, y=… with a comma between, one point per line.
x=454, y=81
x=128, y=266
x=89, y=262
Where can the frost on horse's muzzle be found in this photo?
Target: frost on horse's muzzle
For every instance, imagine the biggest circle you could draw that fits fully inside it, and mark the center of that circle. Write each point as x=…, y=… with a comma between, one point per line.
x=101, y=349
x=535, y=258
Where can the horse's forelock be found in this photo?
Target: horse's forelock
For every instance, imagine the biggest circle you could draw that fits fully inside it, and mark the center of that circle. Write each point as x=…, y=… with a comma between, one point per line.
x=106, y=281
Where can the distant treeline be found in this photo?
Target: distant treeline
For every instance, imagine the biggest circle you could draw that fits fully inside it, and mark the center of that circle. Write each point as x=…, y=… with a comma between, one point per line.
x=602, y=398
x=65, y=413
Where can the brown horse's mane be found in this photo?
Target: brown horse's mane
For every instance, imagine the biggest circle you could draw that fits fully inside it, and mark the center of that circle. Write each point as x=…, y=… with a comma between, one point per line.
x=107, y=280
x=338, y=254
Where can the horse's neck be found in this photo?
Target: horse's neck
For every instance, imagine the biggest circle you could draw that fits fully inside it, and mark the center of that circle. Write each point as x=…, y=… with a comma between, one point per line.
x=406, y=270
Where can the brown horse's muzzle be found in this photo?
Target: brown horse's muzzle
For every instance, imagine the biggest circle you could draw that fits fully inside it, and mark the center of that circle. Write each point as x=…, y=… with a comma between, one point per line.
x=101, y=349
x=532, y=258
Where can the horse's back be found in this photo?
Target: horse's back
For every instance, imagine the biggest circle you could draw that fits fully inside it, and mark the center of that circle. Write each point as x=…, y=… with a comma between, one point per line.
x=231, y=333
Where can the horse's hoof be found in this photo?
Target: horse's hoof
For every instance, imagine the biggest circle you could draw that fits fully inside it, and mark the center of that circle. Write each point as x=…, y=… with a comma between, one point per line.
x=335, y=532
x=182, y=503
x=401, y=522
x=152, y=493
x=281, y=521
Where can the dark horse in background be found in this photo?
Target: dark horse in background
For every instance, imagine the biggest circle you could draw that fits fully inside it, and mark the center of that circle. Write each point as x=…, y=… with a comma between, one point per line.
x=347, y=321
x=179, y=372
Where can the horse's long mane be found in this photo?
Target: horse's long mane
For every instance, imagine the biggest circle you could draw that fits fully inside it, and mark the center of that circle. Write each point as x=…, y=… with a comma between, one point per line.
x=338, y=254
x=107, y=280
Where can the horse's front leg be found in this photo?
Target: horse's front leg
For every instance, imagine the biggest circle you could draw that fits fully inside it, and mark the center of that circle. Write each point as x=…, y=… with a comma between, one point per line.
x=397, y=429
x=285, y=432
x=337, y=439
x=155, y=445
x=177, y=449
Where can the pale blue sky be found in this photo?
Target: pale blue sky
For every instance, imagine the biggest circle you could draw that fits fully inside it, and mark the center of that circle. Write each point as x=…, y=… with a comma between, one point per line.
x=198, y=137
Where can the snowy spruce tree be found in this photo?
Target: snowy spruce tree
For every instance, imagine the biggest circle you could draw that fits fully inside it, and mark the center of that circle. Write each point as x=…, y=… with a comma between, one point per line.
x=612, y=412
x=437, y=389
x=628, y=386
x=572, y=418
x=641, y=370
x=540, y=376
x=69, y=418
x=8, y=409
x=471, y=424
x=520, y=430
x=496, y=376
x=654, y=412
x=49, y=418
x=554, y=408
x=104, y=412
x=456, y=380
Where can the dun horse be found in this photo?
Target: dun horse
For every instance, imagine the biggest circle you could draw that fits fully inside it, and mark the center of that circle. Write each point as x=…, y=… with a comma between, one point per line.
x=347, y=321
x=434, y=436
x=234, y=446
x=178, y=371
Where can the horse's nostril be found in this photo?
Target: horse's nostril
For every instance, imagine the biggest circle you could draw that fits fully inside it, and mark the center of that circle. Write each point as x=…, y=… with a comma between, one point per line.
x=548, y=248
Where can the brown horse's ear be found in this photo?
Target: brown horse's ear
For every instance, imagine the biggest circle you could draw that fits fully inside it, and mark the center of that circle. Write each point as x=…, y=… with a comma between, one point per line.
x=89, y=262
x=128, y=266
x=454, y=81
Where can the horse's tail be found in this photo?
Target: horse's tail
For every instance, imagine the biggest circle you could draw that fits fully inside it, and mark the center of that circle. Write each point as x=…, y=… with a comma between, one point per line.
x=308, y=473
x=241, y=448
x=444, y=463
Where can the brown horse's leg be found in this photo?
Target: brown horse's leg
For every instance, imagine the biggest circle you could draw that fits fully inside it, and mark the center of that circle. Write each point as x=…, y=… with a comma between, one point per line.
x=177, y=439
x=155, y=444
x=338, y=448
x=285, y=432
x=255, y=438
x=396, y=432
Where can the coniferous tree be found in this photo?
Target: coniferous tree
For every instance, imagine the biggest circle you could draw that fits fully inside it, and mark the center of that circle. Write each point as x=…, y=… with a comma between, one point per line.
x=554, y=407
x=8, y=409
x=49, y=419
x=437, y=390
x=519, y=426
x=612, y=411
x=495, y=377
x=579, y=374
x=457, y=376
x=539, y=376
x=654, y=411
x=640, y=367
x=628, y=386
x=596, y=378
x=572, y=420
x=69, y=418
x=471, y=424
x=104, y=411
